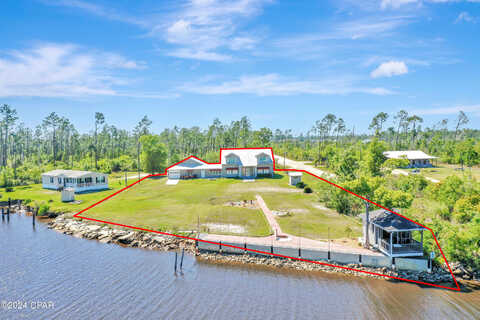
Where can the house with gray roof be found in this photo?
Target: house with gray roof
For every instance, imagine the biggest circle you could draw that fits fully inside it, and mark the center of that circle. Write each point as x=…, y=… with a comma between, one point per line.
x=392, y=234
x=234, y=163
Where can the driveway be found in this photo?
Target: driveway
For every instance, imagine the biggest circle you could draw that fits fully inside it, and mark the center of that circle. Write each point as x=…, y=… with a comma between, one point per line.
x=406, y=173
x=301, y=165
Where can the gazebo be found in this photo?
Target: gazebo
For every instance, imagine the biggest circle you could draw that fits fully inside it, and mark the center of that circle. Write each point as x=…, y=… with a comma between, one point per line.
x=392, y=234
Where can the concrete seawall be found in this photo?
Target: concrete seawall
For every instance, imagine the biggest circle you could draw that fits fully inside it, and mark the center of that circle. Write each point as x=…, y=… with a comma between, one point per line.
x=408, y=264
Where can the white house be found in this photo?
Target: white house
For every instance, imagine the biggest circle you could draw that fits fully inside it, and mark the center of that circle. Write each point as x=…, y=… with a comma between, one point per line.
x=234, y=163
x=417, y=158
x=391, y=234
x=79, y=181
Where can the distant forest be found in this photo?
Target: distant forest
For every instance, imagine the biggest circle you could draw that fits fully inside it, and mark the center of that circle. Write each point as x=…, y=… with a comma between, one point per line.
x=56, y=143
x=451, y=207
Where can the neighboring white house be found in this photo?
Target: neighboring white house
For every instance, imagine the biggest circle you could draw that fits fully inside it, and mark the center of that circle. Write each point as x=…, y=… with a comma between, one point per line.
x=417, y=158
x=79, y=181
x=235, y=163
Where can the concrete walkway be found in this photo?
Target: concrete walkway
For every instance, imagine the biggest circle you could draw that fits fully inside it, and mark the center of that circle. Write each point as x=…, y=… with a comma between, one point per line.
x=172, y=182
x=280, y=239
x=291, y=242
x=300, y=165
x=277, y=231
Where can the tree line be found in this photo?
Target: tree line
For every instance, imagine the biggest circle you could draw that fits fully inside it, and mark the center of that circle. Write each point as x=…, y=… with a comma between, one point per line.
x=56, y=143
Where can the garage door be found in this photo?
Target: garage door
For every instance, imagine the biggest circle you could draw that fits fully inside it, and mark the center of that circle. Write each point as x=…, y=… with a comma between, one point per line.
x=174, y=174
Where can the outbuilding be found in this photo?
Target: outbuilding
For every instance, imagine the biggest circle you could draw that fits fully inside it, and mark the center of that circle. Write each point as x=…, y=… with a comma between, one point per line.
x=294, y=178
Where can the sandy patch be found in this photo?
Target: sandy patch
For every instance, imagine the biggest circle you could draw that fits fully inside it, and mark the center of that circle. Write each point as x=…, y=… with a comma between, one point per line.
x=275, y=189
x=327, y=211
x=298, y=210
x=172, y=182
x=219, y=227
x=249, y=204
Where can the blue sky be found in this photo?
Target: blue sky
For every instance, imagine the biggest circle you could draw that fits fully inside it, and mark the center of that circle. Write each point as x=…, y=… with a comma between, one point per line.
x=284, y=64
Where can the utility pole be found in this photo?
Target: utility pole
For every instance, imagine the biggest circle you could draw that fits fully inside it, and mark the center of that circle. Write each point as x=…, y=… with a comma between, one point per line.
x=366, y=241
x=328, y=231
x=138, y=160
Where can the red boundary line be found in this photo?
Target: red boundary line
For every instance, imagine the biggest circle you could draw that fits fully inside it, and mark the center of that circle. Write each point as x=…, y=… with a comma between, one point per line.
x=77, y=215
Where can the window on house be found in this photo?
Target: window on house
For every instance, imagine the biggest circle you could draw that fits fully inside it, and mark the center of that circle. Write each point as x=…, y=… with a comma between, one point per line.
x=232, y=171
x=263, y=171
x=59, y=180
x=215, y=171
x=51, y=179
x=231, y=160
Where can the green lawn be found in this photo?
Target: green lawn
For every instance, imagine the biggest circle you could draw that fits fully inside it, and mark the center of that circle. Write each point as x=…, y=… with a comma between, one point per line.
x=445, y=170
x=154, y=205
x=309, y=218
x=38, y=195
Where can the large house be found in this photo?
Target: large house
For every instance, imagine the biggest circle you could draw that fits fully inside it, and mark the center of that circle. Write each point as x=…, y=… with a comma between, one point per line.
x=392, y=234
x=79, y=181
x=417, y=158
x=234, y=163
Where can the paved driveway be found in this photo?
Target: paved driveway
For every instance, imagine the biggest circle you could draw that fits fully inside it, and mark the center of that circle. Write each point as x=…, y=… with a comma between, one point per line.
x=300, y=165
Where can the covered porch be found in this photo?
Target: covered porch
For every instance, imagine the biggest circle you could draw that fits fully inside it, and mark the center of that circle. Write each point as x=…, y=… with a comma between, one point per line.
x=397, y=237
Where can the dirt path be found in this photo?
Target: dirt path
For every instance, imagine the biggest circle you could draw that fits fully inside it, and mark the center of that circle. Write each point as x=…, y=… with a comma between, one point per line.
x=300, y=165
x=406, y=173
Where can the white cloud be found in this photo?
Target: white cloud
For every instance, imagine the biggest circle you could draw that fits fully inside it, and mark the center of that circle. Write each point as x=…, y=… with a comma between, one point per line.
x=465, y=17
x=395, y=3
x=188, y=53
x=389, y=69
x=62, y=70
x=202, y=28
x=98, y=10
x=276, y=85
x=449, y=110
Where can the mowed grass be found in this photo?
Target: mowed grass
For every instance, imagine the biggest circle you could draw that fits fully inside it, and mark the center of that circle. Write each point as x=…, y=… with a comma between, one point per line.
x=154, y=205
x=307, y=217
x=52, y=198
x=444, y=170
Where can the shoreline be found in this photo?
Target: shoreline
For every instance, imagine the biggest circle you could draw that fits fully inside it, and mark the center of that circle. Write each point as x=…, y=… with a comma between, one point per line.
x=141, y=239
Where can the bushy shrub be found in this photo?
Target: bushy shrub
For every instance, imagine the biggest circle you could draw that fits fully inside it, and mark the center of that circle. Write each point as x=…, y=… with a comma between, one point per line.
x=43, y=209
x=300, y=185
x=307, y=190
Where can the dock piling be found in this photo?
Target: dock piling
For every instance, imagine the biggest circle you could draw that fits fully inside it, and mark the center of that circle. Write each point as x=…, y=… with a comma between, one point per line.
x=181, y=259
x=176, y=254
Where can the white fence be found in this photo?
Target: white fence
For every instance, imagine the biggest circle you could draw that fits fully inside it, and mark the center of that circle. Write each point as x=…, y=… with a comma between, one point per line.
x=411, y=264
